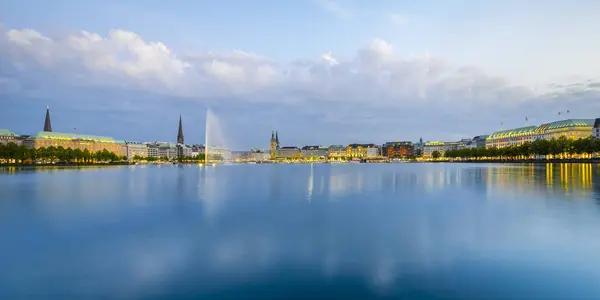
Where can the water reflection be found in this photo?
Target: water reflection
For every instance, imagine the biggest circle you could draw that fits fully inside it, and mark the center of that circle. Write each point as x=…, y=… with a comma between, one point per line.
x=366, y=230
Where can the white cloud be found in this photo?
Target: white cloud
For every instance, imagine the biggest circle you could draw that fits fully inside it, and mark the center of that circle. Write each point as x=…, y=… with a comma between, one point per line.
x=334, y=7
x=375, y=75
x=398, y=19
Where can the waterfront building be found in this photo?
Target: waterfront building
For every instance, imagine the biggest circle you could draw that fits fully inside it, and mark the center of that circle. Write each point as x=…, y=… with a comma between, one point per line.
x=571, y=129
x=373, y=152
x=596, y=130
x=239, y=156
x=360, y=151
x=478, y=142
x=441, y=147
x=398, y=149
x=152, y=150
x=512, y=137
x=167, y=150
x=336, y=152
x=7, y=136
x=136, y=149
x=184, y=150
x=163, y=150
x=259, y=155
x=314, y=152
x=289, y=153
x=274, y=144
x=92, y=143
x=197, y=150
x=464, y=143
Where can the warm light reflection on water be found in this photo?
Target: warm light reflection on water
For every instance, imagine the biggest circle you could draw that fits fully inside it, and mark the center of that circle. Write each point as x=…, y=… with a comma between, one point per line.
x=431, y=231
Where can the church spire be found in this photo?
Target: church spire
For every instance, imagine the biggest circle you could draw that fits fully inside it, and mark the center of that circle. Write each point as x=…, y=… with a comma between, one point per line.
x=277, y=137
x=180, y=132
x=47, y=124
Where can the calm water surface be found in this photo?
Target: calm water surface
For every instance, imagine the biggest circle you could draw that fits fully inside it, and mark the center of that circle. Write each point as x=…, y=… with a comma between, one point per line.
x=411, y=231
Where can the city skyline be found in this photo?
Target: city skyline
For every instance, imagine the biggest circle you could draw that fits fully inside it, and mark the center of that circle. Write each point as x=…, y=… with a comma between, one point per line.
x=344, y=70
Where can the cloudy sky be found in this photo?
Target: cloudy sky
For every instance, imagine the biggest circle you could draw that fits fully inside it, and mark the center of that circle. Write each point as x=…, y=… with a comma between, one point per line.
x=319, y=71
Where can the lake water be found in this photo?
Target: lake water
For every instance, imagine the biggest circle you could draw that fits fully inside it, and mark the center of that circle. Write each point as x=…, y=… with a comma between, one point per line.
x=411, y=231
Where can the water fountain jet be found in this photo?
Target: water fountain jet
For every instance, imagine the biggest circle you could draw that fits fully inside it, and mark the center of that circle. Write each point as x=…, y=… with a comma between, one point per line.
x=214, y=140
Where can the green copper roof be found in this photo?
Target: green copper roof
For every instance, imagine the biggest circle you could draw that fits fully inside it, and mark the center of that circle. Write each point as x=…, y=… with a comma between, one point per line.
x=337, y=147
x=434, y=143
x=513, y=132
x=6, y=132
x=566, y=123
x=73, y=136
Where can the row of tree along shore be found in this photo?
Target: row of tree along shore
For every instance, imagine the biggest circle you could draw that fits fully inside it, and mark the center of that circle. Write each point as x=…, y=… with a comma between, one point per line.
x=20, y=154
x=13, y=154
x=561, y=149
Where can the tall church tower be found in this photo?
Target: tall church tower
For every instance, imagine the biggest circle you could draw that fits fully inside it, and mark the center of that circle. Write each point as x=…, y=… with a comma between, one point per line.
x=47, y=124
x=180, y=132
x=274, y=145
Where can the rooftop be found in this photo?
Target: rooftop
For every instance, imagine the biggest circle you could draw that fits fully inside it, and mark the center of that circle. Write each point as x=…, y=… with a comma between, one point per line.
x=362, y=145
x=337, y=147
x=403, y=143
x=311, y=148
x=73, y=136
x=513, y=132
x=6, y=132
x=565, y=124
x=434, y=143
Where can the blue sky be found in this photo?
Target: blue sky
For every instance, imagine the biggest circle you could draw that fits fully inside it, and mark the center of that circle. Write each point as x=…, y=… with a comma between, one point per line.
x=320, y=71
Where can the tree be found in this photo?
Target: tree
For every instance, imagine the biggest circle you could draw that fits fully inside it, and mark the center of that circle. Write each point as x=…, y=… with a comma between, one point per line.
x=419, y=153
x=436, y=154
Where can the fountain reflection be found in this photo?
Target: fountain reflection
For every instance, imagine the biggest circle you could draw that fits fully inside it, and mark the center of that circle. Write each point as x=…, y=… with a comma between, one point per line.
x=392, y=226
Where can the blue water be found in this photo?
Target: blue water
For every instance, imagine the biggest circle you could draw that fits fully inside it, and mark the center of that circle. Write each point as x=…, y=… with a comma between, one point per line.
x=368, y=231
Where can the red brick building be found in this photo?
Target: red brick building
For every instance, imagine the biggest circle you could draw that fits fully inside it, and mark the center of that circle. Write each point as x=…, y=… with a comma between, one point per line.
x=398, y=149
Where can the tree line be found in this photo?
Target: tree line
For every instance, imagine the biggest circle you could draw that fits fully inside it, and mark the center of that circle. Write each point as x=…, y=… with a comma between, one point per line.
x=561, y=147
x=13, y=153
x=198, y=158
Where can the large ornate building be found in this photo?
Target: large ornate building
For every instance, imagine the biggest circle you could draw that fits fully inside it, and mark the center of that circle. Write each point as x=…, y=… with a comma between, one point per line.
x=7, y=136
x=398, y=149
x=511, y=137
x=571, y=128
x=336, y=152
x=314, y=152
x=92, y=143
x=362, y=150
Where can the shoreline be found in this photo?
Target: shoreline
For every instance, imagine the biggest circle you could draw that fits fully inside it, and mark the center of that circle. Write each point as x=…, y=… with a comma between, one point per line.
x=524, y=161
x=66, y=165
x=468, y=161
